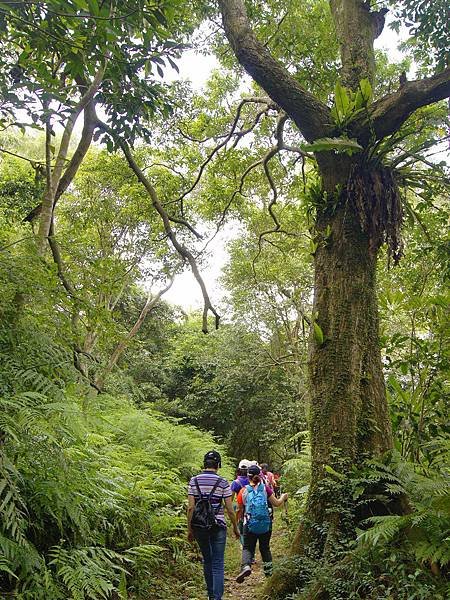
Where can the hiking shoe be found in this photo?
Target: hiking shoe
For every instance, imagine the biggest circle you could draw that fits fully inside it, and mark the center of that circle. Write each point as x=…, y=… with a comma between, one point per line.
x=246, y=571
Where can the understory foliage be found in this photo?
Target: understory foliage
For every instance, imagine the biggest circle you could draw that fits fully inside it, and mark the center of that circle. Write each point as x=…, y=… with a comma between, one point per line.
x=91, y=487
x=389, y=556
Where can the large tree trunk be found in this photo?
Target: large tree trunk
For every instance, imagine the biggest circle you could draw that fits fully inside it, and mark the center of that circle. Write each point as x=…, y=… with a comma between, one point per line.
x=349, y=413
x=349, y=417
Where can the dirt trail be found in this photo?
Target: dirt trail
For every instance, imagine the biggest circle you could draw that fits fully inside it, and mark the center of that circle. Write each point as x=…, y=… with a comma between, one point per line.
x=247, y=589
x=252, y=585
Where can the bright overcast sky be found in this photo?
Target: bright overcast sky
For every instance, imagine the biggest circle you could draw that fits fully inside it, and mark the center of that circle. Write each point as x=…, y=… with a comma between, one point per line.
x=185, y=290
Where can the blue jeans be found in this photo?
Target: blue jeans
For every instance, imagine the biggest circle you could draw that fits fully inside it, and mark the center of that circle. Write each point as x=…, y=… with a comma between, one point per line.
x=212, y=546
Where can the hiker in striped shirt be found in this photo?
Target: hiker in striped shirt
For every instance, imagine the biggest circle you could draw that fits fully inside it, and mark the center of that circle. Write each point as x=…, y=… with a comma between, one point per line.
x=215, y=492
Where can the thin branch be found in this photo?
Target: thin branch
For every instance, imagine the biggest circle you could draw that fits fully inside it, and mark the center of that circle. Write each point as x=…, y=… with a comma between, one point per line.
x=59, y=263
x=277, y=29
x=228, y=137
x=150, y=304
x=180, y=248
x=54, y=176
x=168, y=167
x=29, y=237
x=238, y=135
x=234, y=194
x=30, y=160
x=270, y=154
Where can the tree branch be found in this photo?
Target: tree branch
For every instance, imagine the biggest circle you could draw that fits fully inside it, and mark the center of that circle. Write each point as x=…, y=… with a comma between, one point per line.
x=388, y=114
x=90, y=118
x=32, y=161
x=180, y=248
x=310, y=115
x=54, y=175
x=150, y=304
x=54, y=246
x=226, y=139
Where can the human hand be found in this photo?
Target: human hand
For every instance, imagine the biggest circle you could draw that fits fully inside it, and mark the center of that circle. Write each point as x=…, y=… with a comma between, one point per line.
x=284, y=497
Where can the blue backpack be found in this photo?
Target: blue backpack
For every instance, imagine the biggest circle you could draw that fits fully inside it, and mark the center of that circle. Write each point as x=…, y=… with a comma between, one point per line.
x=256, y=509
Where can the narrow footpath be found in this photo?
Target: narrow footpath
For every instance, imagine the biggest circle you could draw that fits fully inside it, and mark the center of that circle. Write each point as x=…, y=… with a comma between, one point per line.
x=252, y=586
x=246, y=590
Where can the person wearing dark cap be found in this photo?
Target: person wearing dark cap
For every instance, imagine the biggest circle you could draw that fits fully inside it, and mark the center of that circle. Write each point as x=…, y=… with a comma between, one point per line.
x=208, y=485
x=253, y=501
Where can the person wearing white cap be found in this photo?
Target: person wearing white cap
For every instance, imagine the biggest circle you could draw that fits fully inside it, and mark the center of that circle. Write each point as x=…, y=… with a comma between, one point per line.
x=240, y=482
x=241, y=479
x=254, y=501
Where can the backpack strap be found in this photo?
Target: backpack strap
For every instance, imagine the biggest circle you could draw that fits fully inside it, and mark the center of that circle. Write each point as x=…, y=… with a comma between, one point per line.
x=198, y=487
x=215, y=486
x=219, y=479
x=248, y=488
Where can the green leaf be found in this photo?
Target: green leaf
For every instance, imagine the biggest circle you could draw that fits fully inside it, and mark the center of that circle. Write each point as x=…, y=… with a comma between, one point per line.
x=173, y=64
x=342, y=144
x=357, y=492
x=123, y=587
x=342, y=102
x=318, y=333
x=93, y=7
x=331, y=471
x=366, y=91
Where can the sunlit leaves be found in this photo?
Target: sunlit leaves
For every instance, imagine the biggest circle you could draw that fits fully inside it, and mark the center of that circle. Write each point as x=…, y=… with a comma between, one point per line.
x=349, y=104
x=50, y=49
x=428, y=24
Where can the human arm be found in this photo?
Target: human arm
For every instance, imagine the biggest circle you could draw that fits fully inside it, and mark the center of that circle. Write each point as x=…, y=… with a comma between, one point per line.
x=274, y=501
x=239, y=513
x=235, y=489
x=232, y=515
x=190, y=512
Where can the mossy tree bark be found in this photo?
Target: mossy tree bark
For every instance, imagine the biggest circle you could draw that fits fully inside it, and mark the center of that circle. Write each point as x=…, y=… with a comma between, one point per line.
x=349, y=413
x=349, y=417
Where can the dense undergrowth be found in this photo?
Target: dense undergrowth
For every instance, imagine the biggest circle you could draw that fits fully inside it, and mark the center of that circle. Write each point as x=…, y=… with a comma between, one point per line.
x=384, y=557
x=92, y=488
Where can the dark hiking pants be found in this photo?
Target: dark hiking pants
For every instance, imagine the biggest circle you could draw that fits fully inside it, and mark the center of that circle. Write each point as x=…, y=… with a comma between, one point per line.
x=248, y=551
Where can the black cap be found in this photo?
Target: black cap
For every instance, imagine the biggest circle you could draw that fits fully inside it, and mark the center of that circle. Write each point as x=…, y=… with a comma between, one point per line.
x=254, y=470
x=214, y=456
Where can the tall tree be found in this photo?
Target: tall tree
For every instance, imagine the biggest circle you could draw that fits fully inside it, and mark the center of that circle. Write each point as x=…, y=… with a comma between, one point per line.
x=359, y=210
